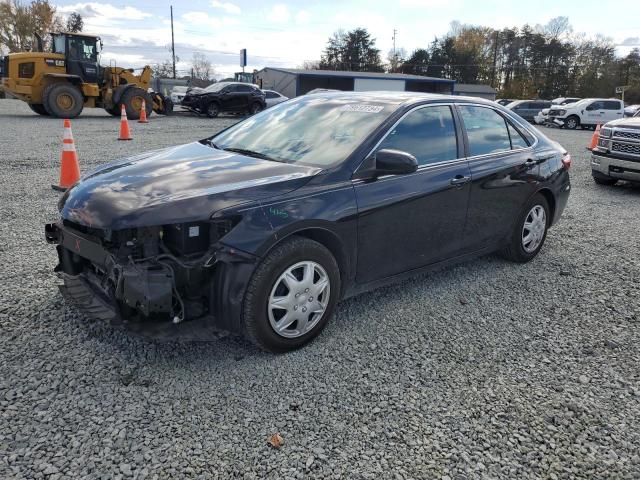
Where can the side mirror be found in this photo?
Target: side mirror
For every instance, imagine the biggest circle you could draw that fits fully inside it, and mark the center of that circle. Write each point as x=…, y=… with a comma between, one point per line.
x=394, y=162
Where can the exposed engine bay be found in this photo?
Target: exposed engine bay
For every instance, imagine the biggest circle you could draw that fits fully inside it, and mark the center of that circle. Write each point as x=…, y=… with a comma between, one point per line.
x=161, y=274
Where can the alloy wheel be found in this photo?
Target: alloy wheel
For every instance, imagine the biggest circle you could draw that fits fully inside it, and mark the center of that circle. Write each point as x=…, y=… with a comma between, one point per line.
x=534, y=229
x=298, y=299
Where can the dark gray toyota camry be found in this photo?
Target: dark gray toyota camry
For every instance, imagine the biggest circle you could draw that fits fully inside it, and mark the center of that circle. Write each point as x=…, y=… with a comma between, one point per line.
x=262, y=228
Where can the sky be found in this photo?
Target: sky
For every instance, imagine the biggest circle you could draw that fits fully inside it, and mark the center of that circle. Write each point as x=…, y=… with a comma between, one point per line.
x=287, y=33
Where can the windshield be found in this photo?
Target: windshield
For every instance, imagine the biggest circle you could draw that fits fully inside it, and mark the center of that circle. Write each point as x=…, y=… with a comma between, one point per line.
x=216, y=87
x=311, y=130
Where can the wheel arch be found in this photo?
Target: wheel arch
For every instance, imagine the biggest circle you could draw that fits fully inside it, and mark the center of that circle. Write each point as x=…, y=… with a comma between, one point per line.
x=551, y=201
x=324, y=236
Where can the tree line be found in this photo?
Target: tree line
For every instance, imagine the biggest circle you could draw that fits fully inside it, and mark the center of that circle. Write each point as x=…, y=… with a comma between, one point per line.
x=522, y=62
x=19, y=21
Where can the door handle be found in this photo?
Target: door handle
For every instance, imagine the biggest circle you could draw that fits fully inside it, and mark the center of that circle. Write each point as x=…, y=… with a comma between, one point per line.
x=459, y=180
x=531, y=162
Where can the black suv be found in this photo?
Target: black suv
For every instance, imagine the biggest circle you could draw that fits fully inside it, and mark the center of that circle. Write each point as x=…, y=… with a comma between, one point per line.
x=234, y=97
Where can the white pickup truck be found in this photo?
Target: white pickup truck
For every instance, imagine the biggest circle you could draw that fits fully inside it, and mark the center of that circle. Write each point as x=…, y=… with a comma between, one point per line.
x=588, y=112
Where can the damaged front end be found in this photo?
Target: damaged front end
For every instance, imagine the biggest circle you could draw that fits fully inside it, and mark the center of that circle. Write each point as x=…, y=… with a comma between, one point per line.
x=165, y=282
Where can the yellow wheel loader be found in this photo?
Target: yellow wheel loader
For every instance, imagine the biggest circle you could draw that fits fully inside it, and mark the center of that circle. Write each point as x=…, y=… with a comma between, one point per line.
x=62, y=81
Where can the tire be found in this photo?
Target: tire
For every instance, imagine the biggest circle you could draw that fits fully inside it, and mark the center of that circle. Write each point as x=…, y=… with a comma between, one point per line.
x=132, y=101
x=213, y=110
x=602, y=179
x=519, y=250
x=295, y=255
x=39, y=109
x=113, y=111
x=572, y=122
x=255, y=108
x=62, y=100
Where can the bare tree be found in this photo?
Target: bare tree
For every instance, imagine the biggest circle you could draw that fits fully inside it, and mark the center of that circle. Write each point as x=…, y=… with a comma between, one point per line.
x=201, y=66
x=19, y=21
x=164, y=69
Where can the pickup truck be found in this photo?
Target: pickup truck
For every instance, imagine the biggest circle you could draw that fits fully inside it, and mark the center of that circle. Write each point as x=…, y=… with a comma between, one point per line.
x=617, y=154
x=588, y=112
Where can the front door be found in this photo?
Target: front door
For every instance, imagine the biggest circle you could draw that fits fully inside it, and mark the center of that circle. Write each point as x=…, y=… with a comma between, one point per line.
x=412, y=220
x=82, y=58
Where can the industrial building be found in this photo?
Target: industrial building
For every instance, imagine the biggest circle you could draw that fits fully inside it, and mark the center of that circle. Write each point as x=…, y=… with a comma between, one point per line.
x=475, y=90
x=292, y=82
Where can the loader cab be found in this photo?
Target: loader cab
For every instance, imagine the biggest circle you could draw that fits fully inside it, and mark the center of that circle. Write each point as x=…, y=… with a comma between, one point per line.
x=81, y=54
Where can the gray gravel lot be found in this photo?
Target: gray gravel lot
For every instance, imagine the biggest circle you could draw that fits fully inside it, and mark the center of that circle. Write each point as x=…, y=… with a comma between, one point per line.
x=484, y=370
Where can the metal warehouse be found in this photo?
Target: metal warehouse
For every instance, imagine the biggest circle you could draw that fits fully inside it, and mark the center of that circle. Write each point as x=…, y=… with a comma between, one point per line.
x=292, y=82
x=475, y=90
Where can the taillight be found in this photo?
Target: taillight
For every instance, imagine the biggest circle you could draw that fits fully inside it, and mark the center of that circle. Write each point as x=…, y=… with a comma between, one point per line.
x=566, y=161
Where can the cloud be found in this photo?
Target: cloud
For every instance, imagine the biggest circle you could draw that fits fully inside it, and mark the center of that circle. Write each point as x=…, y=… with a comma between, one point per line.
x=227, y=7
x=92, y=11
x=630, y=42
x=302, y=16
x=279, y=13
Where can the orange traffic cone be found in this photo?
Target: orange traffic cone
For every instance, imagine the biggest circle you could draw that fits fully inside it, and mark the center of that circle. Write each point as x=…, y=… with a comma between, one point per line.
x=594, y=138
x=125, y=134
x=143, y=113
x=69, y=167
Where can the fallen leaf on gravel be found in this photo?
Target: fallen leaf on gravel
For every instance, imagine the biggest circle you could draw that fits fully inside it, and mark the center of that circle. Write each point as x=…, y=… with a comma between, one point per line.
x=275, y=440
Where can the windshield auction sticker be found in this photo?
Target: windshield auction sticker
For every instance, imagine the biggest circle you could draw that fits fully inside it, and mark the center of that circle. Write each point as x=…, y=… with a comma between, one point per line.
x=354, y=107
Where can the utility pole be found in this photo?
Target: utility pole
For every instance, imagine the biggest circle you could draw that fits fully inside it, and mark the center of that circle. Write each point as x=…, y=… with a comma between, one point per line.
x=173, y=47
x=395, y=56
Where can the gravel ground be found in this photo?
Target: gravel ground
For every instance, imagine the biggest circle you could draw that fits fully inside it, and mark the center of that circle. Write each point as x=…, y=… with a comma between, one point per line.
x=484, y=370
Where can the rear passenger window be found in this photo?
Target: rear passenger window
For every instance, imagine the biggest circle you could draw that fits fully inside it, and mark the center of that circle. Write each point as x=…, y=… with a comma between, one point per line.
x=517, y=140
x=486, y=130
x=429, y=134
x=609, y=105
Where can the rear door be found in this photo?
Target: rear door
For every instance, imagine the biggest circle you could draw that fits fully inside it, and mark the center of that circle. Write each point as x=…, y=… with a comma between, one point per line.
x=504, y=173
x=613, y=109
x=412, y=220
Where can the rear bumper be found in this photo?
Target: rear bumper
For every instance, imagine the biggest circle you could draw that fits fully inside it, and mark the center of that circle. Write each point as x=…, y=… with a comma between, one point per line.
x=615, y=167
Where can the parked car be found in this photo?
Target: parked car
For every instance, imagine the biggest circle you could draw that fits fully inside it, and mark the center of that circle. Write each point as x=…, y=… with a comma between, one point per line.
x=273, y=98
x=233, y=97
x=631, y=110
x=262, y=228
x=543, y=116
x=586, y=113
x=505, y=101
x=177, y=94
x=617, y=154
x=528, y=109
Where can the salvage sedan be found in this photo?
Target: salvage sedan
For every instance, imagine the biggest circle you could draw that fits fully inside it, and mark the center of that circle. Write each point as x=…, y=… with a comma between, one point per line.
x=262, y=228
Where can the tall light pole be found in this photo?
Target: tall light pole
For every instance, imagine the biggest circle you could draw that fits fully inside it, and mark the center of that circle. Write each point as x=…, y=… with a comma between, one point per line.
x=173, y=47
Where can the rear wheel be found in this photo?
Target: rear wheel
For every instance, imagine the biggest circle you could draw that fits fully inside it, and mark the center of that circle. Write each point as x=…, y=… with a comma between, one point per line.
x=291, y=295
x=530, y=231
x=255, y=108
x=132, y=101
x=113, y=111
x=38, y=108
x=63, y=100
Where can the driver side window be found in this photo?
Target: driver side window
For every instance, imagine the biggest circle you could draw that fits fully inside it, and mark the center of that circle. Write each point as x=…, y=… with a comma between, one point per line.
x=429, y=134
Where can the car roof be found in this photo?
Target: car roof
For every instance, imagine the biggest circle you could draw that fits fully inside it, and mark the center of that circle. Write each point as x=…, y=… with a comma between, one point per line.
x=398, y=98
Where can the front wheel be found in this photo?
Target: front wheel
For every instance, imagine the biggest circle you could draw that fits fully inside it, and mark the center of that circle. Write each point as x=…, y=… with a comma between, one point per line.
x=530, y=231
x=291, y=295
x=132, y=100
x=572, y=122
x=213, y=110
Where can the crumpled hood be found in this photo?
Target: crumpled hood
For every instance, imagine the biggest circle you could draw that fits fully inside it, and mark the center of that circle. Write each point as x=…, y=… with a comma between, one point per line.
x=629, y=122
x=178, y=184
